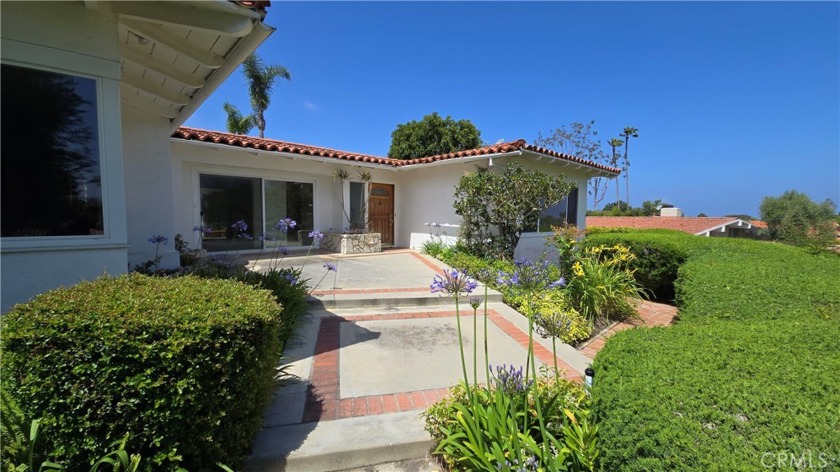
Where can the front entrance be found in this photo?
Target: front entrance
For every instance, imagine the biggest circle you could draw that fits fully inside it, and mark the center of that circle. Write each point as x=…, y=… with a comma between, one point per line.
x=381, y=212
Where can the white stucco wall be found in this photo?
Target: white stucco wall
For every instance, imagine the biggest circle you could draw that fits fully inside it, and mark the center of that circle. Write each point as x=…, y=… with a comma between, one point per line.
x=429, y=195
x=69, y=38
x=191, y=159
x=150, y=208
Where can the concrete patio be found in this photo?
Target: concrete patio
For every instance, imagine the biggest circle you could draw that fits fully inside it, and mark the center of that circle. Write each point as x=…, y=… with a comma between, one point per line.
x=376, y=351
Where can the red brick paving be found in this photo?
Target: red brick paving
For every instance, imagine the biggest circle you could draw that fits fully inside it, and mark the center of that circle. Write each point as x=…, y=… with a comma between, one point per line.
x=650, y=313
x=323, y=400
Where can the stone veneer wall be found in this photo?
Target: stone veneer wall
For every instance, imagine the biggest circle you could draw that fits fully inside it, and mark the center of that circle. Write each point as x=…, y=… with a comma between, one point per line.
x=363, y=243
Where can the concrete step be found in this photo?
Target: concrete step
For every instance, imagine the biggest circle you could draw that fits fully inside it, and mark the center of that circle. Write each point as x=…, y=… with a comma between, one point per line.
x=340, y=444
x=385, y=300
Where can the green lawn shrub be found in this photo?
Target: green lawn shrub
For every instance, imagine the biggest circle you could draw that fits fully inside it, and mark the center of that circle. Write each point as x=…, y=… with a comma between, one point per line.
x=291, y=293
x=183, y=366
x=747, y=374
x=659, y=255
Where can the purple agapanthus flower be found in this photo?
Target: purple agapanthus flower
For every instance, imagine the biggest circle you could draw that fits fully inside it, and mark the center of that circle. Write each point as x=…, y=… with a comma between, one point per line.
x=453, y=282
x=245, y=236
x=285, y=225
x=284, y=250
x=530, y=276
x=158, y=239
x=240, y=226
x=203, y=229
x=290, y=278
x=317, y=235
x=330, y=266
x=510, y=379
x=560, y=283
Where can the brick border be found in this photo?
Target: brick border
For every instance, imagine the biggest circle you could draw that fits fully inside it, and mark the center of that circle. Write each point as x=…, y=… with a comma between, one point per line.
x=323, y=402
x=650, y=314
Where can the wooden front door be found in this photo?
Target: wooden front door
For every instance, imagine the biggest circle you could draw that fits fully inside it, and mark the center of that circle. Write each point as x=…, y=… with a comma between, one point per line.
x=381, y=211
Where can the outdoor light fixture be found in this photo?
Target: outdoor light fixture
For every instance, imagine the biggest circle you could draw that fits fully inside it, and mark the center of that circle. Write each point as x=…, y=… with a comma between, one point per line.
x=589, y=377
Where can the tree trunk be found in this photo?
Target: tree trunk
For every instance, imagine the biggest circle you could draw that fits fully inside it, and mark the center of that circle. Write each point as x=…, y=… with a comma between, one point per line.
x=627, y=171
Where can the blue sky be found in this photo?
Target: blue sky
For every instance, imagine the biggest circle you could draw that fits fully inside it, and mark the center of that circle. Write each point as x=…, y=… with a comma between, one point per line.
x=733, y=101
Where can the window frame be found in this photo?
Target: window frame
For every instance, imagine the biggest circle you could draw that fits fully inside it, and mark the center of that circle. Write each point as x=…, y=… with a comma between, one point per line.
x=105, y=75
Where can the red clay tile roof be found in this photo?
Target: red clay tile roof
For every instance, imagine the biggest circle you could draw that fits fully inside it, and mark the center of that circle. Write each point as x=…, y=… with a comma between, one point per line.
x=194, y=134
x=758, y=224
x=685, y=224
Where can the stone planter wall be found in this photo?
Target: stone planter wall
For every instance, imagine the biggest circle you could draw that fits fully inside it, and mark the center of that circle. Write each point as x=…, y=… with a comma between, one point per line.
x=364, y=243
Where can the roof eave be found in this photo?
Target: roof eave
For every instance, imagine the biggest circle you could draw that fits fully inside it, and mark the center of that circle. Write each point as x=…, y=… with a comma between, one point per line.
x=594, y=171
x=459, y=160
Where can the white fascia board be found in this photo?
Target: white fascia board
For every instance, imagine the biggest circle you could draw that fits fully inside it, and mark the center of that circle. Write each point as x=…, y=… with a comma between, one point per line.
x=721, y=228
x=576, y=165
x=278, y=154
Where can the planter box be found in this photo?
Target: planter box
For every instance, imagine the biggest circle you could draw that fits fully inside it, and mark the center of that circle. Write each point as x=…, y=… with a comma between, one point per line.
x=363, y=243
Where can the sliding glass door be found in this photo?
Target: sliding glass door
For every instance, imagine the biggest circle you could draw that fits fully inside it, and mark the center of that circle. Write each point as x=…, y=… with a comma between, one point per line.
x=289, y=200
x=232, y=208
x=240, y=210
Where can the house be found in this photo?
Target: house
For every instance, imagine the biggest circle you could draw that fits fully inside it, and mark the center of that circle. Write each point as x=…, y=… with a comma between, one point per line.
x=96, y=160
x=274, y=179
x=672, y=218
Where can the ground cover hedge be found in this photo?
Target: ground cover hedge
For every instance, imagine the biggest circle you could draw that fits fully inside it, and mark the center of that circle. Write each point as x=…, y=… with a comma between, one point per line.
x=184, y=366
x=746, y=380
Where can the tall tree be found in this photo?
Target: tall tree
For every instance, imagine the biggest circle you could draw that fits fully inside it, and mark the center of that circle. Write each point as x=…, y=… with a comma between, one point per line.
x=615, y=143
x=579, y=140
x=794, y=218
x=629, y=132
x=236, y=122
x=261, y=79
x=433, y=135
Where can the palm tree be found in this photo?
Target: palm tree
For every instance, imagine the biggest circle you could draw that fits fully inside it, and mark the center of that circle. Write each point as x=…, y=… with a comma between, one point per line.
x=261, y=78
x=236, y=123
x=629, y=132
x=614, y=143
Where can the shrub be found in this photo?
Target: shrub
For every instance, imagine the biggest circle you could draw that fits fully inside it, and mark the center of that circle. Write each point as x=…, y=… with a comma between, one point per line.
x=552, y=302
x=658, y=256
x=183, y=366
x=748, y=370
x=291, y=293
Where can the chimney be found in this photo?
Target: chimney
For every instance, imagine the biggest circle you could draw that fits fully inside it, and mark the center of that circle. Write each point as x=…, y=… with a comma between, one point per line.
x=672, y=212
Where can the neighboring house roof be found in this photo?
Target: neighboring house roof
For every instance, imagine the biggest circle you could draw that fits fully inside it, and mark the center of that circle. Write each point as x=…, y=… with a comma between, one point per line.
x=272, y=145
x=759, y=224
x=697, y=226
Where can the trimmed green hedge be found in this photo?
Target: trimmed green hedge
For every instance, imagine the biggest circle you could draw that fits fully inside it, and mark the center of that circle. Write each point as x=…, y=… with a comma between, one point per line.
x=183, y=365
x=748, y=373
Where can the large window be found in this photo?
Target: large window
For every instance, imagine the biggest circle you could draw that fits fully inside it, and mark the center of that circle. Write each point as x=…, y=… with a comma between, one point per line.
x=563, y=212
x=51, y=181
x=232, y=207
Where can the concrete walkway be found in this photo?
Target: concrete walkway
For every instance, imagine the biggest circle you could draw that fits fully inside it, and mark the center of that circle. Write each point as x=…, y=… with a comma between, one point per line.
x=377, y=350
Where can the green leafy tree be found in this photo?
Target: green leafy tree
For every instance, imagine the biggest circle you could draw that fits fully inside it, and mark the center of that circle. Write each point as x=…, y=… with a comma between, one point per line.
x=433, y=135
x=629, y=132
x=236, y=122
x=621, y=208
x=496, y=208
x=579, y=140
x=796, y=219
x=702, y=215
x=261, y=80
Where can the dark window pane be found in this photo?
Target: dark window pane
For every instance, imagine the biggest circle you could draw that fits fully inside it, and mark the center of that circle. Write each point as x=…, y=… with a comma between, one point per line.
x=289, y=200
x=51, y=183
x=226, y=201
x=357, y=206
